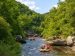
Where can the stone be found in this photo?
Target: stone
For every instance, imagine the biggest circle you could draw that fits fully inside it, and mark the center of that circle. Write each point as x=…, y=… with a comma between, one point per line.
x=73, y=48
x=69, y=40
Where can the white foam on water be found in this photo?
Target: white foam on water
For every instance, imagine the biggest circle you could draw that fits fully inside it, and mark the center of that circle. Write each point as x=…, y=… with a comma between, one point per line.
x=33, y=49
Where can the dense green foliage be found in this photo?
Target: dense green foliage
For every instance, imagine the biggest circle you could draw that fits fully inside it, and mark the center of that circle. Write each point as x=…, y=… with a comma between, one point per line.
x=15, y=19
x=4, y=29
x=18, y=19
x=60, y=21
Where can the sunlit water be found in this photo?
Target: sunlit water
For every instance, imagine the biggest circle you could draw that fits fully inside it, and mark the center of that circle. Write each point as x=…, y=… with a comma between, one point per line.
x=31, y=48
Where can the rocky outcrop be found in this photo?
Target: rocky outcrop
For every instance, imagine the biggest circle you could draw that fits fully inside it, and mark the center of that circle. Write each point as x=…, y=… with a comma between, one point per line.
x=70, y=40
x=20, y=39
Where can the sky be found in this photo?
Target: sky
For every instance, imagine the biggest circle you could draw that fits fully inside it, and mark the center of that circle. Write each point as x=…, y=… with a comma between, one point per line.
x=40, y=6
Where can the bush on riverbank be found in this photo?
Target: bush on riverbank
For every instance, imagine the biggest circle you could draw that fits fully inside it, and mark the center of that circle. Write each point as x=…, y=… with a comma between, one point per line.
x=9, y=50
x=8, y=45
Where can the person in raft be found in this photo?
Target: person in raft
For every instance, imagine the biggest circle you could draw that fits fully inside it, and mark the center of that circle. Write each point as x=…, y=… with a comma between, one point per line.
x=46, y=46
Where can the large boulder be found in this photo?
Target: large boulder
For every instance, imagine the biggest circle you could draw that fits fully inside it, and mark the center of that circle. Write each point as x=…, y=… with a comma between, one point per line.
x=59, y=42
x=20, y=39
x=70, y=40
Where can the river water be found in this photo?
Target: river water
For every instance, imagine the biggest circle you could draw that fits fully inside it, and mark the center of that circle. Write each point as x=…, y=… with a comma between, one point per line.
x=31, y=48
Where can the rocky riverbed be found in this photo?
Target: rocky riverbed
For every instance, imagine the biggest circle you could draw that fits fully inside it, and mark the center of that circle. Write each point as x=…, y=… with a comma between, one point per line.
x=31, y=48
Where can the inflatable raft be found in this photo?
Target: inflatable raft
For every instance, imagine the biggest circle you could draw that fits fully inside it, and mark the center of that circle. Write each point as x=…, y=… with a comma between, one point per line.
x=44, y=50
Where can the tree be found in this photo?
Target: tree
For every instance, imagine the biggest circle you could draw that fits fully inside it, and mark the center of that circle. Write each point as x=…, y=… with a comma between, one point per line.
x=60, y=20
x=4, y=29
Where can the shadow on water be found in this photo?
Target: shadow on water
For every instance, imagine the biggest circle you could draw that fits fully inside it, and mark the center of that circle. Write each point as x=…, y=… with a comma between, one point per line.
x=31, y=48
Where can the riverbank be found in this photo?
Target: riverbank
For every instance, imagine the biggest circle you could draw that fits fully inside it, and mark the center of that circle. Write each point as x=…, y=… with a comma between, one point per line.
x=12, y=49
x=61, y=43
x=31, y=48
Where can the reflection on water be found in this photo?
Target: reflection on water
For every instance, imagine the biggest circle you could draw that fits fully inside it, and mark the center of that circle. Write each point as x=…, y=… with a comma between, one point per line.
x=31, y=48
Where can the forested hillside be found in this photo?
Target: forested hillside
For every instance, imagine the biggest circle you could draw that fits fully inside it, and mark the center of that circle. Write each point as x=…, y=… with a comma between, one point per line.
x=15, y=19
x=60, y=21
x=18, y=19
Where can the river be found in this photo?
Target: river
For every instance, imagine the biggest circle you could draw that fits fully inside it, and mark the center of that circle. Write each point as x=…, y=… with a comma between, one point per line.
x=31, y=48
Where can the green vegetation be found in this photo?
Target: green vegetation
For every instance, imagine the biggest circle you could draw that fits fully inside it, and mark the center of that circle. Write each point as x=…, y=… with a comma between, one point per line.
x=15, y=19
x=60, y=21
x=18, y=19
